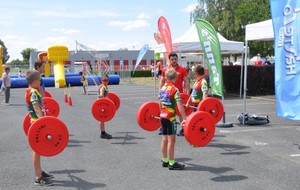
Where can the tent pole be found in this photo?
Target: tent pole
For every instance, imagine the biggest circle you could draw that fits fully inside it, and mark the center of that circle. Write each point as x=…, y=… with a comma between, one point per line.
x=241, y=77
x=245, y=81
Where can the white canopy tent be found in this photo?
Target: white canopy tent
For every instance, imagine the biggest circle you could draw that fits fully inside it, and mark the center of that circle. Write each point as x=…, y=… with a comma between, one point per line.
x=189, y=42
x=262, y=31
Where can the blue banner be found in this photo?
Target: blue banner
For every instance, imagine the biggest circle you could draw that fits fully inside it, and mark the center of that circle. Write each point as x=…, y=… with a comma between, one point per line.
x=286, y=20
x=142, y=53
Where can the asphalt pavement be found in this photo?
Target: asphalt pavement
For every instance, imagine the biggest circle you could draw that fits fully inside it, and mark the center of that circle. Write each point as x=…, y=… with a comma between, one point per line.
x=242, y=157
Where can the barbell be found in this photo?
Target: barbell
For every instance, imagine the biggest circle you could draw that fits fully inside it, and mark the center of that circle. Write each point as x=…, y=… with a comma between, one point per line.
x=48, y=135
x=199, y=127
x=104, y=109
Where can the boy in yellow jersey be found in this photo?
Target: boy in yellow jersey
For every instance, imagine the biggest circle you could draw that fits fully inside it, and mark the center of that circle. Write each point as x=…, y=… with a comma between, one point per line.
x=103, y=93
x=200, y=87
x=34, y=105
x=84, y=82
x=170, y=97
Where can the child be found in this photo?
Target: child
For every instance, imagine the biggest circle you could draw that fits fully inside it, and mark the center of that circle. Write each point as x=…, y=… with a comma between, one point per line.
x=34, y=105
x=6, y=85
x=169, y=98
x=84, y=82
x=103, y=93
x=200, y=87
x=40, y=67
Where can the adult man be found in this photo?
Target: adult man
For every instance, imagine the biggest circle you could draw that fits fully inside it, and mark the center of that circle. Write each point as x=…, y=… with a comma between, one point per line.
x=182, y=82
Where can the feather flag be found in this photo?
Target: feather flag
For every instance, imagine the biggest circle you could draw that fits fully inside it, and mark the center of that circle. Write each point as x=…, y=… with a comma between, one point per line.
x=142, y=53
x=165, y=33
x=286, y=24
x=212, y=52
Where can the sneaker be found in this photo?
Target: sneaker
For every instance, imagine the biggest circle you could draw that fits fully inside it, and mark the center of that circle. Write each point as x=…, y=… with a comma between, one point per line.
x=47, y=176
x=160, y=131
x=42, y=182
x=165, y=164
x=176, y=166
x=180, y=133
x=105, y=136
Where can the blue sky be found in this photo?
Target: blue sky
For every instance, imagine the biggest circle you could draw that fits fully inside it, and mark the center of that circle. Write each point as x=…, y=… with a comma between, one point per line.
x=101, y=25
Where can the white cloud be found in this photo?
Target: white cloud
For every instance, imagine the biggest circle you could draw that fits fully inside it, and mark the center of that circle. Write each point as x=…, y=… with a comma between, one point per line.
x=128, y=25
x=66, y=31
x=80, y=14
x=143, y=16
x=189, y=8
x=15, y=45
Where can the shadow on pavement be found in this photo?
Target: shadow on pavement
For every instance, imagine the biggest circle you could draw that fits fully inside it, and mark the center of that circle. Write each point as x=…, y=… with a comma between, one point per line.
x=75, y=181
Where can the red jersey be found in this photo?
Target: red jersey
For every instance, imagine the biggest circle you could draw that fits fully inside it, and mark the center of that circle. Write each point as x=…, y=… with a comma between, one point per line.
x=181, y=74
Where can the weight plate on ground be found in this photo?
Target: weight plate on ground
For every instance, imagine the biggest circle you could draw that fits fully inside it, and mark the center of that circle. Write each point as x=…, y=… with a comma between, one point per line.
x=148, y=116
x=51, y=105
x=103, y=109
x=48, y=136
x=199, y=128
x=213, y=106
x=184, y=98
x=115, y=98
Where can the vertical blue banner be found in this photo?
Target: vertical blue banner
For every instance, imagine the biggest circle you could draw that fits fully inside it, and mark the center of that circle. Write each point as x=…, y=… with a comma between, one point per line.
x=142, y=52
x=286, y=20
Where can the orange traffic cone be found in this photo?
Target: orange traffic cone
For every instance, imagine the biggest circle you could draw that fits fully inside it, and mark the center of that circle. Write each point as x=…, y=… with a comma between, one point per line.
x=70, y=103
x=66, y=97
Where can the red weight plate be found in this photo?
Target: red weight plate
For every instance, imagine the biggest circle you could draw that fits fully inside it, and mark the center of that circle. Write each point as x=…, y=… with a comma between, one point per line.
x=47, y=94
x=103, y=109
x=26, y=123
x=213, y=106
x=115, y=98
x=145, y=116
x=48, y=136
x=184, y=98
x=199, y=128
x=51, y=106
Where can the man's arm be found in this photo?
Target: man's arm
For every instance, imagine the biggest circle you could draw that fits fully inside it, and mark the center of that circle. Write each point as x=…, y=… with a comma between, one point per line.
x=187, y=84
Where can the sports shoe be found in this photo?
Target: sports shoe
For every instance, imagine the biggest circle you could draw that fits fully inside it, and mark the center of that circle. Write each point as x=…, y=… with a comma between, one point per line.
x=42, y=182
x=176, y=166
x=47, y=176
x=160, y=131
x=180, y=133
x=165, y=164
x=105, y=136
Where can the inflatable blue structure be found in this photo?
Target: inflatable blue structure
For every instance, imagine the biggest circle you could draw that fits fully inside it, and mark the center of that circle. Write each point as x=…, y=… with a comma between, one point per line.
x=71, y=78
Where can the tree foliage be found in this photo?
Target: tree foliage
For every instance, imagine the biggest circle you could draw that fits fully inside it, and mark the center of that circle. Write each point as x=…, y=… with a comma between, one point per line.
x=5, y=54
x=229, y=18
x=26, y=54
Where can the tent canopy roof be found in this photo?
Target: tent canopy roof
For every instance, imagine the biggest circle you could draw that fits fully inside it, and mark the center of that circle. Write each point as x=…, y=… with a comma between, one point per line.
x=189, y=42
x=260, y=31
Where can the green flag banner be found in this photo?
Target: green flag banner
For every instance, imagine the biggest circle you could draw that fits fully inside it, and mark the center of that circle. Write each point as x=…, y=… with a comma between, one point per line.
x=211, y=48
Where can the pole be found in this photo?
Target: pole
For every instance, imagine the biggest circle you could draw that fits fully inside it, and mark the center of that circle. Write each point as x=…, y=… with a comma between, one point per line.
x=245, y=81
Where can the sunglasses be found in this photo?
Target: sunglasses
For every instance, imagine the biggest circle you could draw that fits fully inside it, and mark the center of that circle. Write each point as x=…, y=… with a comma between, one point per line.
x=105, y=80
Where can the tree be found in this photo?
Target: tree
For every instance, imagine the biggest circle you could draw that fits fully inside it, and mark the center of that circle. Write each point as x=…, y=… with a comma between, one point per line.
x=229, y=18
x=5, y=53
x=26, y=54
x=16, y=62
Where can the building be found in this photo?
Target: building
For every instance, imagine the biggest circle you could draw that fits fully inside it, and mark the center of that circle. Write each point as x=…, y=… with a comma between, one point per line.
x=103, y=60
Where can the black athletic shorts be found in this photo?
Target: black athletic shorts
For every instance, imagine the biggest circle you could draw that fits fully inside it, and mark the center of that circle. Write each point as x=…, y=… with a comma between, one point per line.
x=168, y=127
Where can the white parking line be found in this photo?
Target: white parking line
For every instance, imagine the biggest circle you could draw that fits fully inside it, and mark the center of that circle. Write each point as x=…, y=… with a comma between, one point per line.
x=240, y=131
x=294, y=155
x=250, y=130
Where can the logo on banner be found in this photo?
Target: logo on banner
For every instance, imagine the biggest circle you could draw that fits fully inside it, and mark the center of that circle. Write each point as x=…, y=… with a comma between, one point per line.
x=286, y=35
